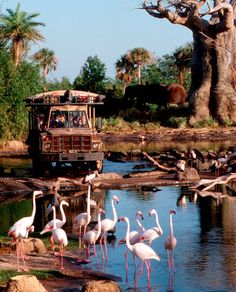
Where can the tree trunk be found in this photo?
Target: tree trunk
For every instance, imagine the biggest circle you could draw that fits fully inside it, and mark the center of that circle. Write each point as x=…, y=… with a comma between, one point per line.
x=213, y=89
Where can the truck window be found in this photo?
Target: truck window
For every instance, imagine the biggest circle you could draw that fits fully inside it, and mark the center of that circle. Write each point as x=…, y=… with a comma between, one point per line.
x=68, y=119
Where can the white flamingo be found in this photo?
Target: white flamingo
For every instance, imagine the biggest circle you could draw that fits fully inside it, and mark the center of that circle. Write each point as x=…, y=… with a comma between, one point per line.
x=141, y=250
x=28, y=221
x=83, y=219
x=59, y=237
x=150, y=234
x=108, y=224
x=59, y=223
x=134, y=235
x=170, y=243
x=91, y=236
x=21, y=228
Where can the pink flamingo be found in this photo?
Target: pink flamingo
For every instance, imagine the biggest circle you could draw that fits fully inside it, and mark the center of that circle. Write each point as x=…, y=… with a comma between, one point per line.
x=59, y=236
x=21, y=229
x=83, y=219
x=141, y=250
x=108, y=224
x=59, y=223
x=170, y=243
x=135, y=236
x=91, y=236
x=28, y=221
x=18, y=233
x=150, y=234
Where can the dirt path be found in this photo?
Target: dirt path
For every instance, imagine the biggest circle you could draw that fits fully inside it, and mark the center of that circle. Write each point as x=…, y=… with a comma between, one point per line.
x=74, y=274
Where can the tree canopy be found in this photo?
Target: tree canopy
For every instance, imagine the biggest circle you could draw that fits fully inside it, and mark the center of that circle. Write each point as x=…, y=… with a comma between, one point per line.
x=92, y=76
x=18, y=29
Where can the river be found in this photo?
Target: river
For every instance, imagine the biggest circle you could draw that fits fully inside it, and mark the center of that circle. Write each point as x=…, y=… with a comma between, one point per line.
x=205, y=229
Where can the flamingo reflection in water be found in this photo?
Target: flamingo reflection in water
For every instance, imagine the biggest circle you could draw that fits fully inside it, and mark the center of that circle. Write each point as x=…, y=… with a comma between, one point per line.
x=141, y=250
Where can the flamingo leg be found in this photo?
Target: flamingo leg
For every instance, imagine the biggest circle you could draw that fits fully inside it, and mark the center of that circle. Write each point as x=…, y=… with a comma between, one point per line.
x=17, y=255
x=61, y=255
x=147, y=262
x=103, y=256
x=22, y=253
x=172, y=260
x=106, y=251
x=168, y=258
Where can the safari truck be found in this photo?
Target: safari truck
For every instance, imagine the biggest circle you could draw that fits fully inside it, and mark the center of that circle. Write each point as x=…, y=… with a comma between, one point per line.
x=64, y=132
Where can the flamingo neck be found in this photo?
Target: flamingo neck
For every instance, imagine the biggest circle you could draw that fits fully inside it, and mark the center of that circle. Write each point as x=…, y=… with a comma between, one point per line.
x=54, y=218
x=34, y=208
x=62, y=214
x=114, y=212
x=99, y=226
x=88, y=200
x=140, y=224
x=158, y=224
x=171, y=227
x=130, y=247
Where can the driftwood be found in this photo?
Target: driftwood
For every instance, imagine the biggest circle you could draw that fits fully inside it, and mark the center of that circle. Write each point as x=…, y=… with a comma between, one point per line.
x=161, y=167
x=209, y=183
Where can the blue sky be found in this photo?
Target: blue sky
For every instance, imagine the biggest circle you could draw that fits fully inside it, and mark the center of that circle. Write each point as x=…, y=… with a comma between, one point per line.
x=76, y=29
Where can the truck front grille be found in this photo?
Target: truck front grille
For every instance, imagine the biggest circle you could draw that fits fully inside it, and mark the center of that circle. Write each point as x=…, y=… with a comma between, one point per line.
x=71, y=143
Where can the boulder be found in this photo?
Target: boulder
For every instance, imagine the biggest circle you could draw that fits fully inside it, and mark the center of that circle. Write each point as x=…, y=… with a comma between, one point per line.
x=24, y=283
x=101, y=285
x=34, y=246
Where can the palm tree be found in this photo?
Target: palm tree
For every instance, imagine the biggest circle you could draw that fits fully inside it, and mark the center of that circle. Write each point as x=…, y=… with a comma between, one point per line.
x=129, y=65
x=183, y=57
x=47, y=60
x=17, y=29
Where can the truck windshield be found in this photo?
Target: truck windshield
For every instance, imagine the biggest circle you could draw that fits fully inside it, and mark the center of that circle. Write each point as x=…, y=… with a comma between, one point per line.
x=68, y=119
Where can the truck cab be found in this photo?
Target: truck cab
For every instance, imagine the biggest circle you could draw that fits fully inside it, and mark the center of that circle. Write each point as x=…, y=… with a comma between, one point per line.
x=64, y=132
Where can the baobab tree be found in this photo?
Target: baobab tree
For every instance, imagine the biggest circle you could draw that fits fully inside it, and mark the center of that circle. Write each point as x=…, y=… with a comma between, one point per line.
x=213, y=86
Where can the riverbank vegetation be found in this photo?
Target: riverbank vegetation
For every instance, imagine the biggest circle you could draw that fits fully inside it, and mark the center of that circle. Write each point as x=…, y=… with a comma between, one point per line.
x=23, y=75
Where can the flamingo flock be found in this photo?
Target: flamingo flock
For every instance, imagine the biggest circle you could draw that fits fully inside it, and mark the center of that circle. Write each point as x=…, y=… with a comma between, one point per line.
x=138, y=241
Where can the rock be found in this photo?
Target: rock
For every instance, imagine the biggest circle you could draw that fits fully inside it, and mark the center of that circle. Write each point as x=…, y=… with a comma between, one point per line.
x=24, y=283
x=34, y=245
x=101, y=285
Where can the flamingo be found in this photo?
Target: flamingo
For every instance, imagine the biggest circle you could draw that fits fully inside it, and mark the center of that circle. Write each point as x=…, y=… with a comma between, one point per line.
x=150, y=234
x=141, y=250
x=83, y=219
x=170, y=243
x=108, y=224
x=28, y=221
x=135, y=236
x=59, y=223
x=59, y=236
x=91, y=236
x=18, y=233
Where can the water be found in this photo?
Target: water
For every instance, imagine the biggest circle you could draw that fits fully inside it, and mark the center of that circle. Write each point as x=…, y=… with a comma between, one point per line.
x=205, y=229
